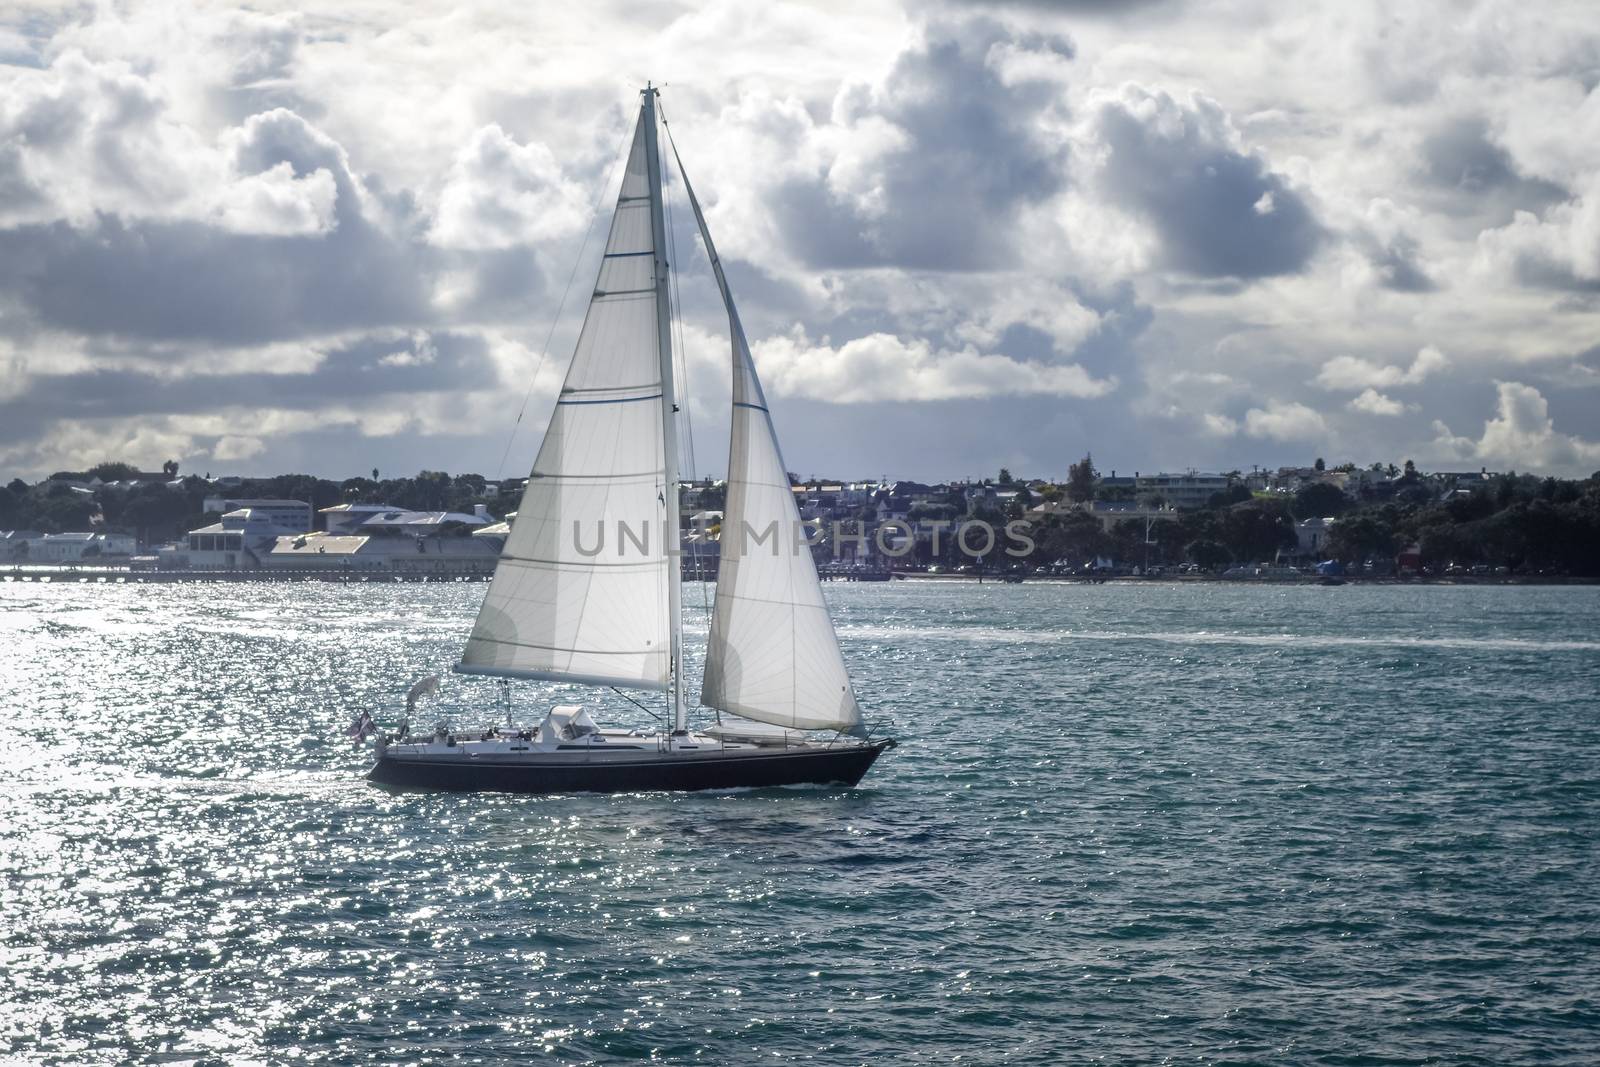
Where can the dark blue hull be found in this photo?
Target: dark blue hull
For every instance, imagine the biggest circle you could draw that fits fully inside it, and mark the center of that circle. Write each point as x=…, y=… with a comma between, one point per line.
x=843, y=765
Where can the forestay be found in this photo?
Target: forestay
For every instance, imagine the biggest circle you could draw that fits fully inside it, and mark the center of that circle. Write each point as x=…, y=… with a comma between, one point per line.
x=772, y=655
x=557, y=608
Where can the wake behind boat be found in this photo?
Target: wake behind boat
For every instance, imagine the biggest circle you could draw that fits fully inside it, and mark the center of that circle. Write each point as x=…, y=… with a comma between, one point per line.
x=587, y=587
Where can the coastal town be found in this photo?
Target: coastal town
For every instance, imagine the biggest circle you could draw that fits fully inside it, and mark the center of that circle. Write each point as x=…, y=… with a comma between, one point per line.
x=1319, y=522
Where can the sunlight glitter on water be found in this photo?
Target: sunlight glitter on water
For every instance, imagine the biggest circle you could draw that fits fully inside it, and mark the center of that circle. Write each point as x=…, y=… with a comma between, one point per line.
x=1126, y=824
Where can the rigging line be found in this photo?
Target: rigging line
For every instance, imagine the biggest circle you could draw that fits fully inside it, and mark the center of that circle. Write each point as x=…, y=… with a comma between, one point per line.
x=688, y=415
x=635, y=703
x=555, y=319
x=684, y=378
x=705, y=602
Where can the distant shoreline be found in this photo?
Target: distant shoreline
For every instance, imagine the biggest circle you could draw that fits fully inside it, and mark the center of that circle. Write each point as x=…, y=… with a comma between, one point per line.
x=41, y=574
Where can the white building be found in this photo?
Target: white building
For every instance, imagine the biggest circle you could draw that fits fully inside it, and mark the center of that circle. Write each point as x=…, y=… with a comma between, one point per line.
x=366, y=518
x=1188, y=490
x=75, y=547
x=1311, y=536
x=240, y=539
x=345, y=518
x=423, y=523
x=287, y=516
x=385, y=553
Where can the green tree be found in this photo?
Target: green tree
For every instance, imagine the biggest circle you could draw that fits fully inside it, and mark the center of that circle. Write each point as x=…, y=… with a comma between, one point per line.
x=1005, y=476
x=1236, y=493
x=1080, y=479
x=1208, y=554
x=1256, y=530
x=1318, y=500
x=1319, y=465
x=154, y=513
x=110, y=471
x=1076, y=537
x=1361, y=537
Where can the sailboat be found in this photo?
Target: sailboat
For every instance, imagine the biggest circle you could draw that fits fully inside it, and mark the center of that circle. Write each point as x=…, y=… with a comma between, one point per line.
x=587, y=589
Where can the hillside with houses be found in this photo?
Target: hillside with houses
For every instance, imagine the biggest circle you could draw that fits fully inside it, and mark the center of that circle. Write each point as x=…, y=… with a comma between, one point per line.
x=1376, y=521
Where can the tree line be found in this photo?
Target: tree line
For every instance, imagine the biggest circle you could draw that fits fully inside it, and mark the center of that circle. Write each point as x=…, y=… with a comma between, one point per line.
x=1525, y=523
x=154, y=512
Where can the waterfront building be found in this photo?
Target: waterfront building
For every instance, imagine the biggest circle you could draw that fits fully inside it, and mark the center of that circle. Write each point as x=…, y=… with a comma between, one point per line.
x=286, y=516
x=1311, y=536
x=498, y=530
x=238, y=539
x=386, y=553
x=423, y=523
x=347, y=518
x=76, y=547
x=14, y=543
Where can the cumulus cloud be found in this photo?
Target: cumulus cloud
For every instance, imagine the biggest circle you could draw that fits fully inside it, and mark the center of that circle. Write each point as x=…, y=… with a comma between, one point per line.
x=883, y=367
x=234, y=447
x=200, y=204
x=1561, y=247
x=168, y=280
x=1051, y=309
x=930, y=167
x=1218, y=209
x=1284, y=421
x=1372, y=402
x=1353, y=372
x=1522, y=435
x=83, y=139
x=500, y=193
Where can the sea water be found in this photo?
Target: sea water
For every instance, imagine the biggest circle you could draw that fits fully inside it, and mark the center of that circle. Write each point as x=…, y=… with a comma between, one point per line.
x=1193, y=823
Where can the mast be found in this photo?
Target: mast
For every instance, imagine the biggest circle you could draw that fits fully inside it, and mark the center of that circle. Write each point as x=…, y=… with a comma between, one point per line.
x=669, y=410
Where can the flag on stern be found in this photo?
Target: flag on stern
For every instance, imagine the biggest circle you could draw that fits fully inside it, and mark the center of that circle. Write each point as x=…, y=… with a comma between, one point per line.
x=362, y=728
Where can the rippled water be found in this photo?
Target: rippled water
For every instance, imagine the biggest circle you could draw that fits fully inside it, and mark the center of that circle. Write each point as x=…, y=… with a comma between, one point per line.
x=1127, y=824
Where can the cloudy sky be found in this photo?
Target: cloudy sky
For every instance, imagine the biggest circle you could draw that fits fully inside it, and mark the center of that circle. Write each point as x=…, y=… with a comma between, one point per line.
x=962, y=235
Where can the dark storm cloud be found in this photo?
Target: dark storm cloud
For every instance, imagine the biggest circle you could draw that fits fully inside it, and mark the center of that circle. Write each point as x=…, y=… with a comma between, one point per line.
x=372, y=372
x=1123, y=319
x=189, y=280
x=1218, y=212
x=1469, y=175
x=973, y=157
x=1396, y=262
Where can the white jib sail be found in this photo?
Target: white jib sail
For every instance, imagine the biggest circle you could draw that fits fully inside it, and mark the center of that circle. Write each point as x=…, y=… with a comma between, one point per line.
x=581, y=590
x=772, y=655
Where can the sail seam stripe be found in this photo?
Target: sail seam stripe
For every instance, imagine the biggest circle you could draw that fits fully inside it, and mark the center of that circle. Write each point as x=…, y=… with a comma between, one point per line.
x=619, y=255
x=598, y=293
x=575, y=563
x=614, y=477
x=584, y=651
x=613, y=400
x=609, y=388
x=742, y=404
x=779, y=603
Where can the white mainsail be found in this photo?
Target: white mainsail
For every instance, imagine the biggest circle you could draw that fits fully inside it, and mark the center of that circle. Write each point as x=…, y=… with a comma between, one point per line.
x=559, y=608
x=772, y=655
